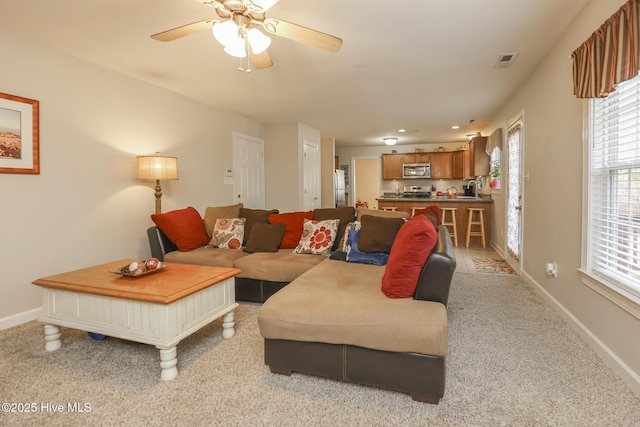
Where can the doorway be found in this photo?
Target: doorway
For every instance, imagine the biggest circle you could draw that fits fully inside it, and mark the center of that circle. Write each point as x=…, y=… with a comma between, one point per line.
x=514, y=203
x=248, y=171
x=311, y=175
x=366, y=181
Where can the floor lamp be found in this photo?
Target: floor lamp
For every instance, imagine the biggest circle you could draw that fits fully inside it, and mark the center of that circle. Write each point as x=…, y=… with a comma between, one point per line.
x=159, y=168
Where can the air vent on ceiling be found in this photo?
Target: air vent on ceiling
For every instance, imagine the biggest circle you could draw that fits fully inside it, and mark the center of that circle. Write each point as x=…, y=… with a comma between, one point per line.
x=505, y=60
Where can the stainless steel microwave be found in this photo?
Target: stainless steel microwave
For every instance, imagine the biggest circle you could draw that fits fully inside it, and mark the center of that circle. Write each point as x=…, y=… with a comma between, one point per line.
x=416, y=171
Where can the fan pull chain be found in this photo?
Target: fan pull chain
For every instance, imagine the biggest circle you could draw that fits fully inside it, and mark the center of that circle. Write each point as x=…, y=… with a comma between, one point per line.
x=246, y=69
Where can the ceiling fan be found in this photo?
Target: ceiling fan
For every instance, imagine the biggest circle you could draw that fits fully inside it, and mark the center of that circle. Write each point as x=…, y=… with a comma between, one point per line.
x=238, y=25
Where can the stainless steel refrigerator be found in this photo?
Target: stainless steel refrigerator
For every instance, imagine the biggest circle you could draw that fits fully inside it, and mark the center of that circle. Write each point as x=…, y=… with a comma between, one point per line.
x=339, y=183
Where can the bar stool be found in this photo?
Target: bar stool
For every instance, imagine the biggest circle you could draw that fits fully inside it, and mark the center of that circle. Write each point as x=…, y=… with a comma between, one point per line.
x=415, y=209
x=479, y=222
x=389, y=208
x=452, y=223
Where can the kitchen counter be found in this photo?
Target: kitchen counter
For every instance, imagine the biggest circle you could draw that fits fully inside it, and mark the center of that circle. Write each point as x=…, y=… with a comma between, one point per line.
x=461, y=199
x=460, y=203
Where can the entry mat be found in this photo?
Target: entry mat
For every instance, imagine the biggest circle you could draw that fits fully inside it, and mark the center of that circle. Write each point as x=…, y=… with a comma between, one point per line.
x=490, y=265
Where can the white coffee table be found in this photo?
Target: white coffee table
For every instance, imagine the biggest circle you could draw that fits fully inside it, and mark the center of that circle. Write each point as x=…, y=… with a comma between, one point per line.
x=160, y=309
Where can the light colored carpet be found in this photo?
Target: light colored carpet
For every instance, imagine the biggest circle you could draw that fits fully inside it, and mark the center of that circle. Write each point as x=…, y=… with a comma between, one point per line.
x=491, y=265
x=512, y=362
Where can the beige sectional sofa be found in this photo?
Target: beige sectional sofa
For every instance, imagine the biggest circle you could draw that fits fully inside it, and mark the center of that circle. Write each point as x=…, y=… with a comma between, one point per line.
x=327, y=316
x=262, y=273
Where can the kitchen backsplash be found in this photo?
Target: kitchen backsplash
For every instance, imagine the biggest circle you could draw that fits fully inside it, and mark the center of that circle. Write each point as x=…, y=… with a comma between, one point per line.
x=441, y=185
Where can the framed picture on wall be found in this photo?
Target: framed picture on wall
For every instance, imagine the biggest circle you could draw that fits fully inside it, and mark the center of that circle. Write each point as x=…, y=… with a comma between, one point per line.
x=19, y=135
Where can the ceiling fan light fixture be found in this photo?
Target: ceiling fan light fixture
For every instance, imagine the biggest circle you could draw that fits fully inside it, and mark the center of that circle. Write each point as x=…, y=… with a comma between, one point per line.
x=390, y=141
x=225, y=32
x=236, y=48
x=258, y=41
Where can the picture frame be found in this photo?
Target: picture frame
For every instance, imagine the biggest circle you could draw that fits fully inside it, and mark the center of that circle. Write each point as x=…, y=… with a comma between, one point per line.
x=19, y=135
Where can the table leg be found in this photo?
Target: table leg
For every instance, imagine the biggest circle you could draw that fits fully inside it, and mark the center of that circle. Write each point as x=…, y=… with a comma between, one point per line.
x=52, y=340
x=227, y=325
x=168, y=361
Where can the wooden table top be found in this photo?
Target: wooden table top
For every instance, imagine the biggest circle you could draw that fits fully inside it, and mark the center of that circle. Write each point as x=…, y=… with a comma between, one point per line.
x=166, y=286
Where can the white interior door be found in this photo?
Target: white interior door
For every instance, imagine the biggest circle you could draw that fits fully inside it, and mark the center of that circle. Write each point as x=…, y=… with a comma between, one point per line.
x=311, y=176
x=248, y=171
x=515, y=140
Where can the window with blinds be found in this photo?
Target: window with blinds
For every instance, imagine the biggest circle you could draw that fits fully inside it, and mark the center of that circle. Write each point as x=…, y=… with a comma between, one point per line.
x=613, y=238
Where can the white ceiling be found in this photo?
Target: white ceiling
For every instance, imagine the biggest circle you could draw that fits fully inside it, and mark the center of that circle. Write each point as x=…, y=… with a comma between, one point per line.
x=421, y=65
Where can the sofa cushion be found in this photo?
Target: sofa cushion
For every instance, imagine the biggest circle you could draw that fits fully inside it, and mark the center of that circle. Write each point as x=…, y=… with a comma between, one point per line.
x=317, y=237
x=281, y=266
x=211, y=214
x=254, y=216
x=265, y=237
x=184, y=227
x=228, y=233
x=354, y=254
x=378, y=233
x=293, y=222
x=414, y=242
x=346, y=215
x=206, y=256
x=341, y=303
x=376, y=212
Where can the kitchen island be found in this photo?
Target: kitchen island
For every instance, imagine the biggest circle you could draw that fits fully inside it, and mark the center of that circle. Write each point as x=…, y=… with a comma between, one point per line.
x=461, y=203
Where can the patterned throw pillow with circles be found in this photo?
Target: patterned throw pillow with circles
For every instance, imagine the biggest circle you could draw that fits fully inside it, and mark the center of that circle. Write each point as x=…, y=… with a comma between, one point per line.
x=227, y=233
x=317, y=237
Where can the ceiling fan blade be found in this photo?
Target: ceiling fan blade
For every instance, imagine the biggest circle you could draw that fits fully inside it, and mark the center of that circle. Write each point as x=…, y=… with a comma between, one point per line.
x=185, y=30
x=265, y=4
x=261, y=60
x=303, y=34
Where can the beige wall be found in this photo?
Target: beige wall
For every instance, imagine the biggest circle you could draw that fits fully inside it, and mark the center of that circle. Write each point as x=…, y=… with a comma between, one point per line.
x=553, y=122
x=283, y=164
x=367, y=181
x=328, y=167
x=86, y=206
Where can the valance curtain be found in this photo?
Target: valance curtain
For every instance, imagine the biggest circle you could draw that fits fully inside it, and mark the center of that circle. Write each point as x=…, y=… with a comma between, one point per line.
x=610, y=56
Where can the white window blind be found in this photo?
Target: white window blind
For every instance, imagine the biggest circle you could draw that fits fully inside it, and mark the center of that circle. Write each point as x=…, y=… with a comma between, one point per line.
x=614, y=188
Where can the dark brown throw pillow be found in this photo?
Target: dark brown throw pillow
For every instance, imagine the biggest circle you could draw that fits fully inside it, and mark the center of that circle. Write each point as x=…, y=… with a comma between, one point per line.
x=265, y=237
x=345, y=215
x=254, y=216
x=378, y=233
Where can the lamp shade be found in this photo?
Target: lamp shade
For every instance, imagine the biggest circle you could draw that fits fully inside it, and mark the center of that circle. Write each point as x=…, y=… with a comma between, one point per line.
x=225, y=32
x=258, y=41
x=157, y=167
x=236, y=48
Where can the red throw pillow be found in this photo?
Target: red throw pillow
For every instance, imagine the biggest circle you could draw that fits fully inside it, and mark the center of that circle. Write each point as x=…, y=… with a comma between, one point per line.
x=413, y=245
x=184, y=227
x=293, y=222
x=433, y=209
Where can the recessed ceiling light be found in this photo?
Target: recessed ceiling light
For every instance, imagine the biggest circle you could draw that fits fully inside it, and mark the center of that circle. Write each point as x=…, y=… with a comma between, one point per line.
x=455, y=127
x=402, y=130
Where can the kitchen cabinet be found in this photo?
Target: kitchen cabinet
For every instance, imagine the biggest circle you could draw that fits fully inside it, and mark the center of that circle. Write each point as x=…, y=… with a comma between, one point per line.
x=423, y=158
x=457, y=165
x=471, y=163
x=442, y=165
x=392, y=163
x=479, y=161
x=392, y=166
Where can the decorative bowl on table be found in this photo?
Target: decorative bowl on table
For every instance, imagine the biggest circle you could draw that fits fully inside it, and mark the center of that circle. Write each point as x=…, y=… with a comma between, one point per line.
x=141, y=268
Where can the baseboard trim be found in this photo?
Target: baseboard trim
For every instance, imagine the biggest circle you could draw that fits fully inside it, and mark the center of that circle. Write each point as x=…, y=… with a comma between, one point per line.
x=619, y=367
x=20, y=318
